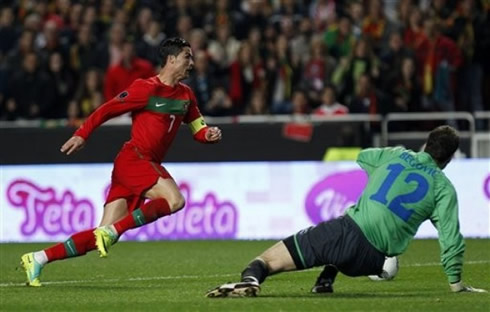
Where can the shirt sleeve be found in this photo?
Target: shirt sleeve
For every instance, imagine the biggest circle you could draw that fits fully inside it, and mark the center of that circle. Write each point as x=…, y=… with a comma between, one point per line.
x=134, y=98
x=193, y=118
x=445, y=219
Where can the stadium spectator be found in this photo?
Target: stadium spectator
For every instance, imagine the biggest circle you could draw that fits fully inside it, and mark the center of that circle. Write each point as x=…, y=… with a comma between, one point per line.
x=74, y=19
x=366, y=99
x=8, y=33
x=245, y=74
x=147, y=45
x=282, y=76
x=289, y=11
x=329, y=105
x=158, y=105
x=220, y=103
x=203, y=81
x=198, y=39
x=105, y=16
x=89, y=18
x=317, y=70
x=130, y=68
x=361, y=61
x=15, y=57
x=256, y=41
x=258, y=104
x=469, y=33
x=256, y=13
x=414, y=31
x=174, y=13
x=356, y=13
x=300, y=103
x=62, y=85
x=358, y=242
x=323, y=13
x=38, y=100
x=223, y=50
x=339, y=38
x=440, y=11
x=403, y=11
x=109, y=52
x=375, y=25
x=404, y=88
x=222, y=15
x=438, y=58
x=300, y=43
x=82, y=52
x=33, y=22
x=48, y=42
x=121, y=17
x=391, y=57
x=143, y=21
x=88, y=97
x=184, y=26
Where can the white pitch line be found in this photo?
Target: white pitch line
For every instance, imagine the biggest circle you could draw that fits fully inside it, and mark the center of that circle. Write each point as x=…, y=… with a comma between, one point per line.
x=156, y=278
x=438, y=263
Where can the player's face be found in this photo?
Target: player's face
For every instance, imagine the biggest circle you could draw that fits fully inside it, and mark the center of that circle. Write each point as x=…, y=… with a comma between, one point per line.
x=184, y=63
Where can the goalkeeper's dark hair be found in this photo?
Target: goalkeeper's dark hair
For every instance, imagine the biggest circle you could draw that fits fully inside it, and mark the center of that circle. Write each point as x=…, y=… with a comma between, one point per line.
x=171, y=46
x=442, y=143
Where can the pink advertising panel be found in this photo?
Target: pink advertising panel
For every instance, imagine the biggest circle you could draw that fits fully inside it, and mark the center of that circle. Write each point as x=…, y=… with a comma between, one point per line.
x=248, y=200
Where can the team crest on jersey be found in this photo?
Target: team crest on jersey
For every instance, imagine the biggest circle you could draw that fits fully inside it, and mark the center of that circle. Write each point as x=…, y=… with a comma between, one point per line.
x=185, y=106
x=122, y=95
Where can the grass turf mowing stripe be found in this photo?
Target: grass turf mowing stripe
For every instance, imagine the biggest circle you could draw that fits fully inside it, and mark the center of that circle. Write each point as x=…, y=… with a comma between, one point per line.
x=153, y=278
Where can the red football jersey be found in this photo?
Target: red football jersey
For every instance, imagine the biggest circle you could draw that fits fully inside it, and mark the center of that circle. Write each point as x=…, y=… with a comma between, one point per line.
x=157, y=112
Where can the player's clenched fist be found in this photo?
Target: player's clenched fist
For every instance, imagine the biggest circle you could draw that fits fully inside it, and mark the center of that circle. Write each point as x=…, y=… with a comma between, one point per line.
x=213, y=134
x=72, y=145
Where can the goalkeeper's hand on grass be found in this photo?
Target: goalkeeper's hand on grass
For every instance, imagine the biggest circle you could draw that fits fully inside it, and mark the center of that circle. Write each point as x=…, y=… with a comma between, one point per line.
x=459, y=287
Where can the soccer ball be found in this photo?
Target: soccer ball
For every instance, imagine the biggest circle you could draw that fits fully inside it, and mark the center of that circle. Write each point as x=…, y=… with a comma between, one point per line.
x=390, y=268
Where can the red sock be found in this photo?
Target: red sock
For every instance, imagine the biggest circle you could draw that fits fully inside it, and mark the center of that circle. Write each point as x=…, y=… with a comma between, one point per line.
x=149, y=212
x=77, y=245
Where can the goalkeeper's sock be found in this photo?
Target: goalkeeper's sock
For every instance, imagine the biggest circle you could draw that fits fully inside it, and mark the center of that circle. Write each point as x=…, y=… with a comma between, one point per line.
x=149, y=212
x=77, y=245
x=328, y=275
x=256, y=271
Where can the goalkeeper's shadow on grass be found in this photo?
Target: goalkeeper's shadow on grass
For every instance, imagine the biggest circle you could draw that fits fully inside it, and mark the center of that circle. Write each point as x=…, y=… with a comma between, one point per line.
x=341, y=295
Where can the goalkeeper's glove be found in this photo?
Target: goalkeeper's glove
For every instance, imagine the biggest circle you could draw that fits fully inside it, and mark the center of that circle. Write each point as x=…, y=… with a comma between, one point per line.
x=459, y=287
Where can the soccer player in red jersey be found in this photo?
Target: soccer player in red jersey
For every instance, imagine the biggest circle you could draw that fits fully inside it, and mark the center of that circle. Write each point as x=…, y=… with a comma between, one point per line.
x=158, y=106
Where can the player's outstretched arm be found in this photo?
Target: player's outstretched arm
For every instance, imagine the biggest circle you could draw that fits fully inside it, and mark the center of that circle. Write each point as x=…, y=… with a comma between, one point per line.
x=73, y=144
x=460, y=287
x=213, y=134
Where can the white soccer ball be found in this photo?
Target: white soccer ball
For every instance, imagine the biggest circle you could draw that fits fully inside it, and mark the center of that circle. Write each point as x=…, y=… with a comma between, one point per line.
x=390, y=268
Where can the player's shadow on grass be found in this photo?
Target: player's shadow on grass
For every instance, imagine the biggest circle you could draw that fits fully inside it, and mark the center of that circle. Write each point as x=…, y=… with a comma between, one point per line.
x=92, y=287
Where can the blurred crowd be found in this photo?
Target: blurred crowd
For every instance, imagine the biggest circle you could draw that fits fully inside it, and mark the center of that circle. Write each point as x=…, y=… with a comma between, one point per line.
x=64, y=58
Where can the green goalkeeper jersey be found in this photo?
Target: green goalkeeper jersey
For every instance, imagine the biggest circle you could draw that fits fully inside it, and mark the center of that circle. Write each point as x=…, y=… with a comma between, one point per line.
x=406, y=188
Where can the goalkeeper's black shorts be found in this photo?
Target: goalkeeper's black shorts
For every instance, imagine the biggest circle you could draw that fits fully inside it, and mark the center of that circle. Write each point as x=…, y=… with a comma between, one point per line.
x=339, y=242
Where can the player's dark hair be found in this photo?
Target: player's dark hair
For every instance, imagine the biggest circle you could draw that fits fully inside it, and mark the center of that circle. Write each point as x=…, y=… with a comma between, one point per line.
x=442, y=143
x=171, y=46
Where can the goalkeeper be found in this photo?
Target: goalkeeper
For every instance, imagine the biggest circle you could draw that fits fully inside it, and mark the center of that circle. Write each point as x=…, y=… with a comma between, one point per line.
x=405, y=188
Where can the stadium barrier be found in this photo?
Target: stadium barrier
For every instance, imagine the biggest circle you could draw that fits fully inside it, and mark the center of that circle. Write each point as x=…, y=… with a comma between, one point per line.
x=449, y=117
x=245, y=138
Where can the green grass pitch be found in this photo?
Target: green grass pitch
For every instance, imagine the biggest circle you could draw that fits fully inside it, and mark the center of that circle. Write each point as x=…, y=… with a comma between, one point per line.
x=174, y=276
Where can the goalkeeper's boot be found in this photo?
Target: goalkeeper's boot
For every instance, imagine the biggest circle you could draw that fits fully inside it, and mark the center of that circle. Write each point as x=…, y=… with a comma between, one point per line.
x=105, y=237
x=324, y=282
x=241, y=289
x=32, y=268
x=322, y=288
